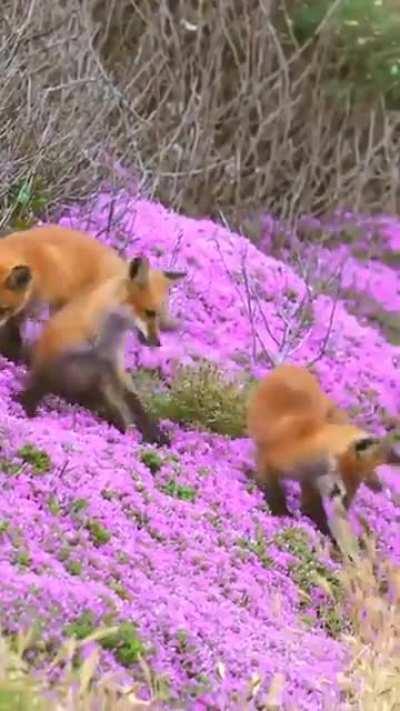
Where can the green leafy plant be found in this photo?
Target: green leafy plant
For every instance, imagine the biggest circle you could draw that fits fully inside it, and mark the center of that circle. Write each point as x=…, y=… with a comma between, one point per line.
x=366, y=40
x=27, y=200
x=203, y=397
x=309, y=573
x=152, y=460
x=179, y=491
x=125, y=643
x=82, y=627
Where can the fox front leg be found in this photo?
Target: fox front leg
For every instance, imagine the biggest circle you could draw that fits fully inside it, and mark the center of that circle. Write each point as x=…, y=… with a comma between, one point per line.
x=149, y=429
x=33, y=393
x=116, y=411
x=11, y=344
x=122, y=388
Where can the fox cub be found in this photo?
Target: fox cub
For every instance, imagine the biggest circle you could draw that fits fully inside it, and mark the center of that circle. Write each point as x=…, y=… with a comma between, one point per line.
x=80, y=351
x=51, y=265
x=299, y=433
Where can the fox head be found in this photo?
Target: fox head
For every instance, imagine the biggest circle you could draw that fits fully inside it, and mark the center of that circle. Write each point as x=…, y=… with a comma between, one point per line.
x=16, y=286
x=147, y=295
x=364, y=455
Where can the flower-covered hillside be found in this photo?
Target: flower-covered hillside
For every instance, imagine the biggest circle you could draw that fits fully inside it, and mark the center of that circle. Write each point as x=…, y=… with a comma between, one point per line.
x=175, y=545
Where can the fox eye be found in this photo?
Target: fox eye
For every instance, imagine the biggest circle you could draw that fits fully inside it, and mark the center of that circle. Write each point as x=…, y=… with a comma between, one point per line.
x=150, y=314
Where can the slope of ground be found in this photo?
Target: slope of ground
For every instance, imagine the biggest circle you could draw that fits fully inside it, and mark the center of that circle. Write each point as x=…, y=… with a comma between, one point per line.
x=175, y=545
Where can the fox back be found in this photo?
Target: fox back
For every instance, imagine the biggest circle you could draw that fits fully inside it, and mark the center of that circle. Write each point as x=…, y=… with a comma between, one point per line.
x=51, y=264
x=294, y=423
x=141, y=294
x=289, y=404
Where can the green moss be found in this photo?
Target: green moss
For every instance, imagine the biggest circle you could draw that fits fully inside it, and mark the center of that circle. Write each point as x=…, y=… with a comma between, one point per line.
x=309, y=568
x=4, y=525
x=182, y=639
x=179, y=491
x=204, y=398
x=54, y=505
x=389, y=324
x=7, y=466
x=258, y=547
x=98, y=533
x=23, y=559
x=125, y=644
x=82, y=627
x=308, y=573
x=64, y=553
x=333, y=619
x=79, y=505
x=152, y=460
x=38, y=459
x=74, y=567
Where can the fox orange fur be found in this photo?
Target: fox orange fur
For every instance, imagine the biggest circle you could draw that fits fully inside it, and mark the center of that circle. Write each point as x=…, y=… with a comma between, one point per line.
x=301, y=434
x=80, y=351
x=51, y=265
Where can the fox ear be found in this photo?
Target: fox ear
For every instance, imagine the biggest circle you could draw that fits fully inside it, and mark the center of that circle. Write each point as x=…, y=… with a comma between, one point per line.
x=18, y=278
x=174, y=276
x=364, y=447
x=139, y=270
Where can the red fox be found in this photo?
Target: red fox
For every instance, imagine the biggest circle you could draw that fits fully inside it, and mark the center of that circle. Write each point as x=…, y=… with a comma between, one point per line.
x=299, y=433
x=80, y=351
x=52, y=265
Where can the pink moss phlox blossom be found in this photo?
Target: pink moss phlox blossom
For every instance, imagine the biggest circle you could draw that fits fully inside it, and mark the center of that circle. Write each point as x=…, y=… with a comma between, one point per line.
x=188, y=552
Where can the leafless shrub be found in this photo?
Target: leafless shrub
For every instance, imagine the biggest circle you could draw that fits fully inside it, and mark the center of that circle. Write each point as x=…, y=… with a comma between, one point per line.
x=276, y=337
x=213, y=105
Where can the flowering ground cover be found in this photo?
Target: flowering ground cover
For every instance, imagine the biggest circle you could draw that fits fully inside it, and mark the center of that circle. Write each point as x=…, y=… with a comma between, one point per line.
x=175, y=545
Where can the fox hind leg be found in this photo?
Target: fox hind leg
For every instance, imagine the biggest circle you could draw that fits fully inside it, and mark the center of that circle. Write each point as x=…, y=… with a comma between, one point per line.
x=268, y=481
x=312, y=506
x=116, y=409
x=33, y=393
x=149, y=429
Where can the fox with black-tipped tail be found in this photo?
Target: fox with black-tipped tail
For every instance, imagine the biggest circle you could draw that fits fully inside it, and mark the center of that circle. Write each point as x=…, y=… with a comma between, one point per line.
x=51, y=265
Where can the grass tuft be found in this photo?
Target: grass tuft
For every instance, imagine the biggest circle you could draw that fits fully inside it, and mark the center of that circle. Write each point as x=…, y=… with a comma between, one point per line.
x=204, y=398
x=371, y=588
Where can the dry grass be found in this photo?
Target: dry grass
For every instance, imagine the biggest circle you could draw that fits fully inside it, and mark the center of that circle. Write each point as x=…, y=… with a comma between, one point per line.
x=214, y=105
x=372, y=601
x=76, y=688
